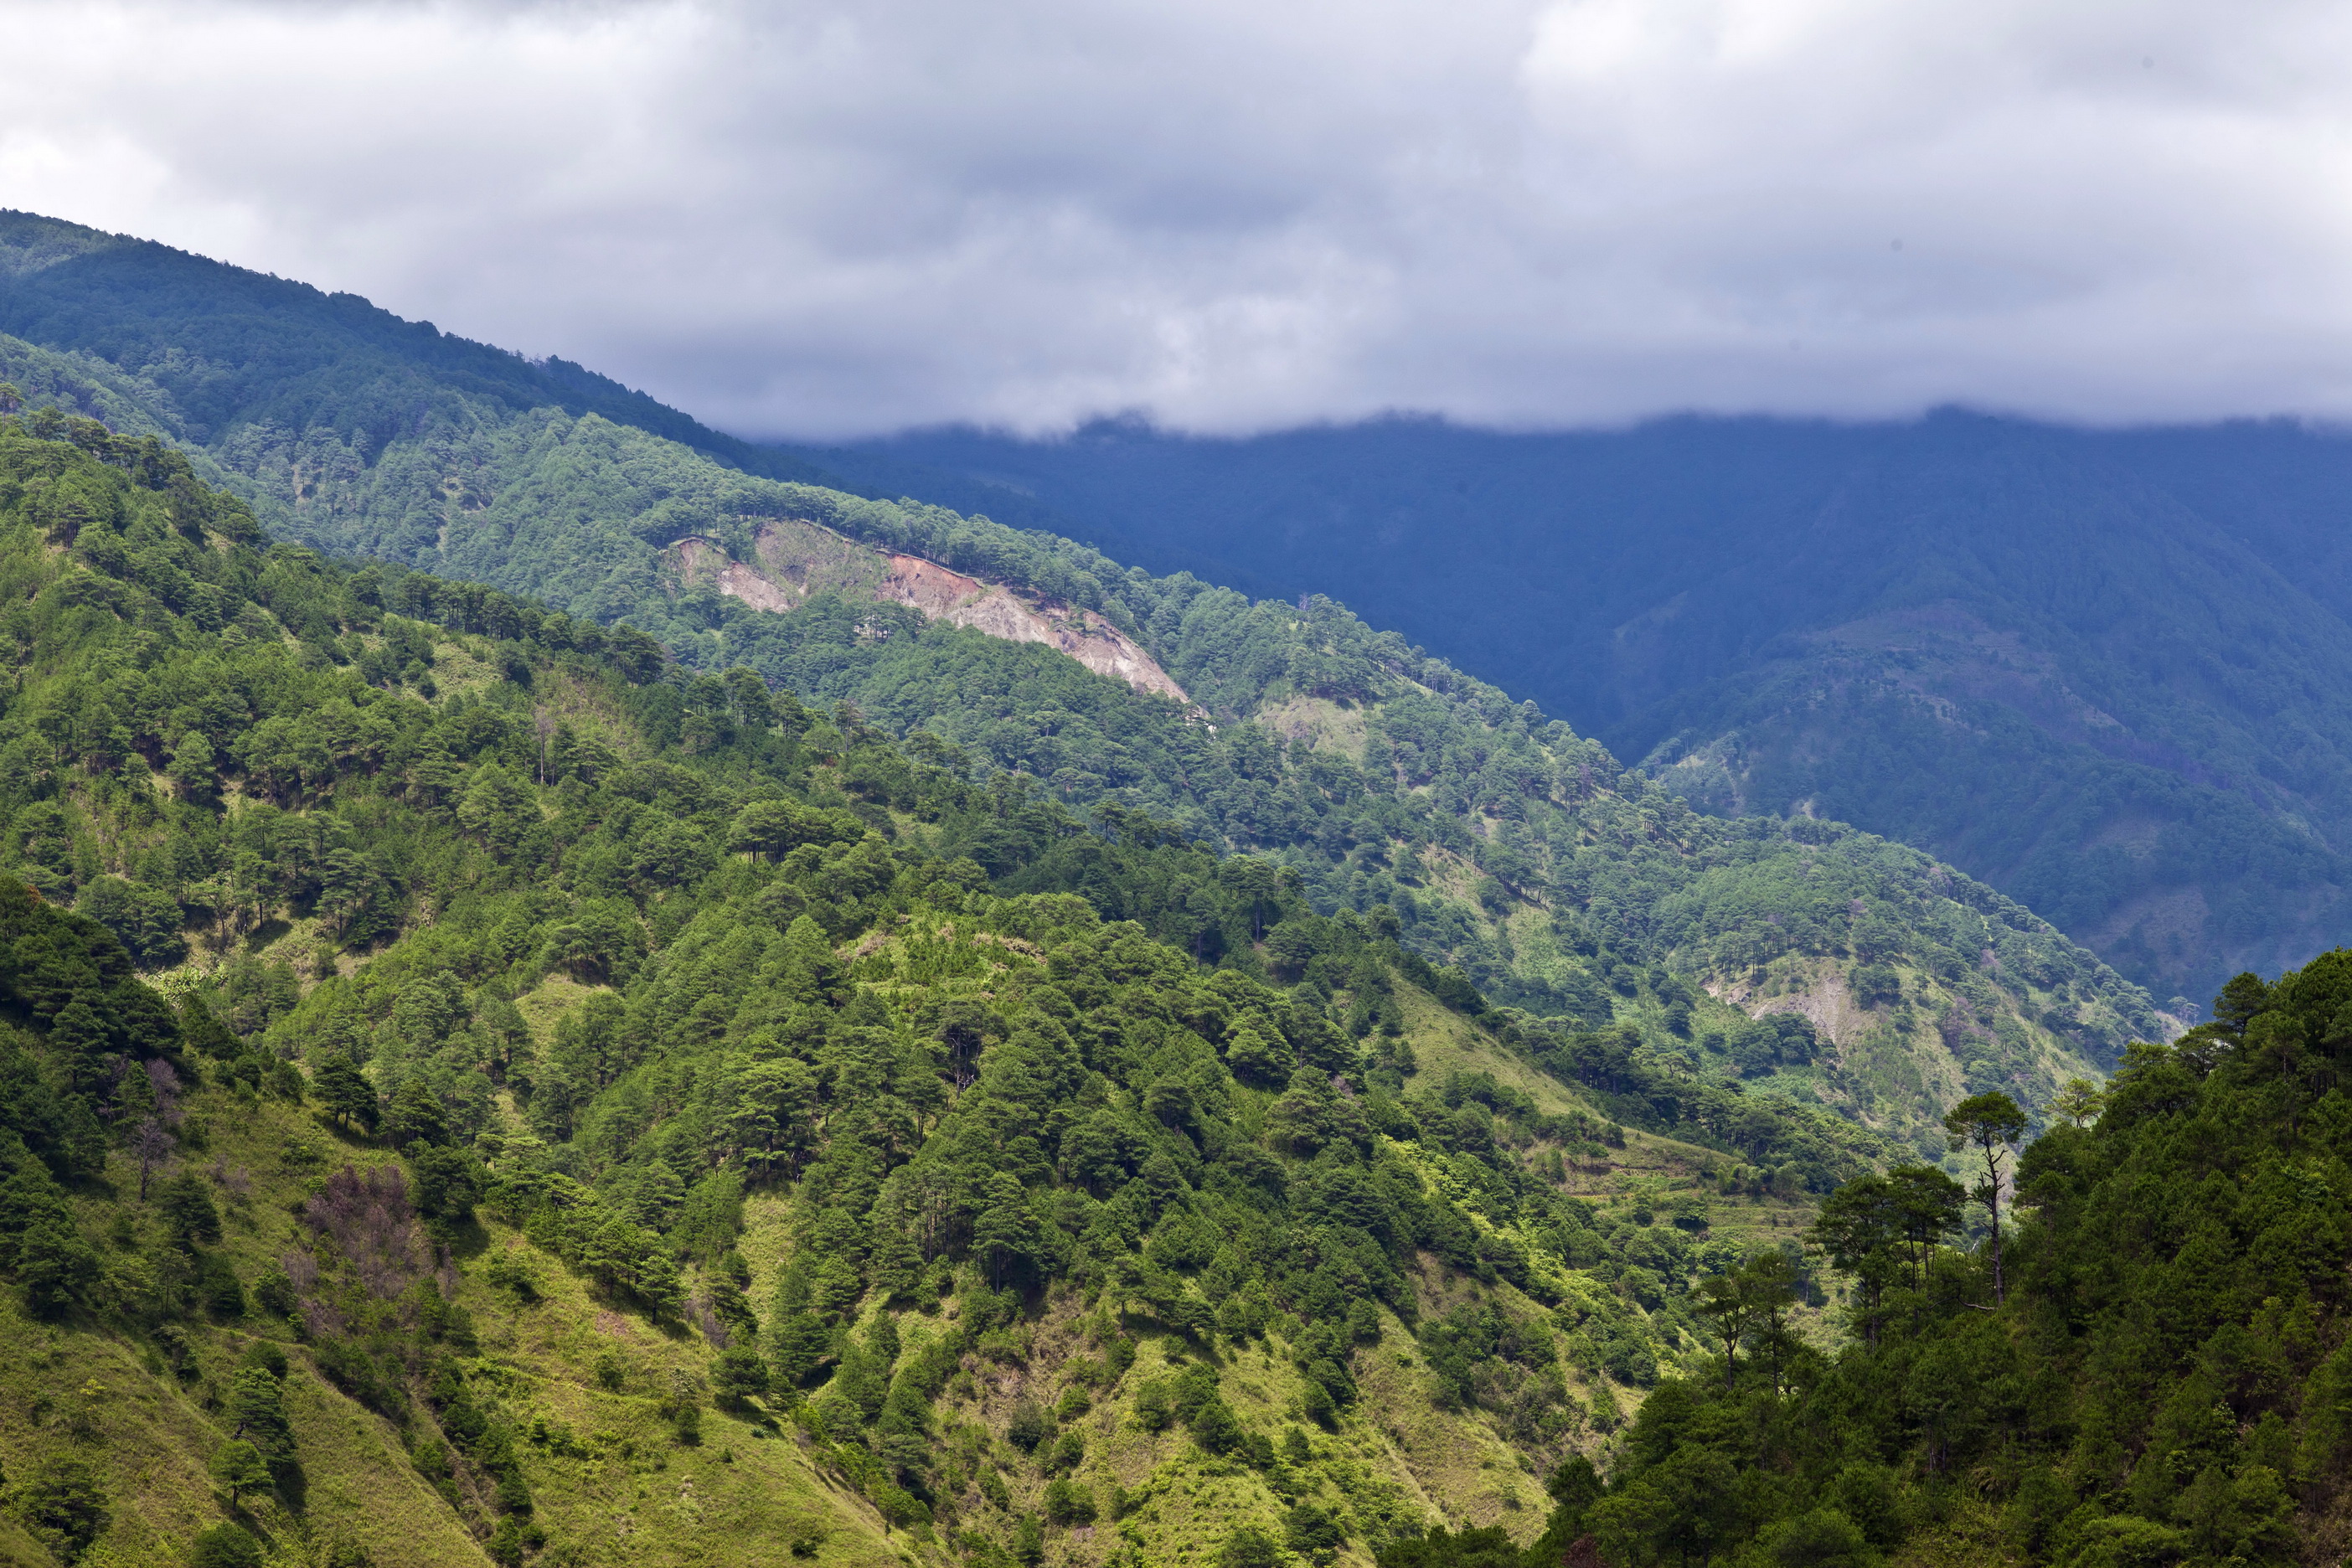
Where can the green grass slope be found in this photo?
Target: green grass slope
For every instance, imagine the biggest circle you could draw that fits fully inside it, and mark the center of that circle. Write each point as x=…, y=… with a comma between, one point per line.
x=612, y=1485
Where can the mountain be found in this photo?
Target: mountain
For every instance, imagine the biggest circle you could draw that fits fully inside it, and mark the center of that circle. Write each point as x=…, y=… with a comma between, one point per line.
x=1799, y=956
x=2104, y=671
x=613, y=1116
x=479, y=1084
x=472, y=1093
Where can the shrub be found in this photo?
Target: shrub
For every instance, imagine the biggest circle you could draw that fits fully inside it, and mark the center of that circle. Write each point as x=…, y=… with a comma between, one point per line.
x=218, y=1288
x=274, y=1293
x=506, y=1545
x=1314, y=1532
x=898, y=1506
x=739, y=1375
x=1069, y=1502
x=1153, y=1412
x=64, y=1504
x=1247, y=1547
x=1216, y=1429
x=225, y=1546
x=1029, y=1427
x=511, y=1270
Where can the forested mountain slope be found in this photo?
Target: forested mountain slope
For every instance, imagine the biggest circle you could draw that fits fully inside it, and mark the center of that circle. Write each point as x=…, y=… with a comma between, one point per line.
x=2105, y=671
x=471, y=1090
x=1825, y=964
x=2156, y=1370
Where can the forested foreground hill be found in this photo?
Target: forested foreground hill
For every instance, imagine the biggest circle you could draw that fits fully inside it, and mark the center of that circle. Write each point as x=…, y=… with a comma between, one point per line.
x=2155, y=1370
x=471, y=1090
x=1796, y=956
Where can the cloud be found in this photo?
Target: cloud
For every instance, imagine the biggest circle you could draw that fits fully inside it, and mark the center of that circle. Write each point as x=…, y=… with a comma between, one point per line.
x=824, y=219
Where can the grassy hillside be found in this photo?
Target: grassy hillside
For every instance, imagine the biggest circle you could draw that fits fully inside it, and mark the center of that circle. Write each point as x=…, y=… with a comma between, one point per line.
x=476, y=1092
x=1506, y=844
x=609, y=1480
x=2102, y=672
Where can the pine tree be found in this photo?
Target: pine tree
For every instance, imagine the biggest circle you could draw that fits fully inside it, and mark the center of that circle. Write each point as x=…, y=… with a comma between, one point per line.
x=255, y=1411
x=1992, y=1123
x=187, y=1204
x=238, y=1468
x=54, y=1264
x=346, y=1094
x=739, y=1375
x=1005, y=1229
x=895, y=1265
x=1258, y=1057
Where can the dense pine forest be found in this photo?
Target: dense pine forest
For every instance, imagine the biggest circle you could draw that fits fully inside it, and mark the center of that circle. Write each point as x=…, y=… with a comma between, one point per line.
x=2098, y=668
x=476, y=1087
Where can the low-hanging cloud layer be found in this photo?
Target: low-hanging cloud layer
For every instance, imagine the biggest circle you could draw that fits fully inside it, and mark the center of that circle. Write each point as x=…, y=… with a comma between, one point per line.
x=825, y=219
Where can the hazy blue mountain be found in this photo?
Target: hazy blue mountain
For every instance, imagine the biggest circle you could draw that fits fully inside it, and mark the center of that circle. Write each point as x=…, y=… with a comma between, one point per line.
x=2107, y=671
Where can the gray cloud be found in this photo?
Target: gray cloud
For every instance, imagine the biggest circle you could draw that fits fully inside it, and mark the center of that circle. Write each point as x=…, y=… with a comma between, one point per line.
x=824, y=219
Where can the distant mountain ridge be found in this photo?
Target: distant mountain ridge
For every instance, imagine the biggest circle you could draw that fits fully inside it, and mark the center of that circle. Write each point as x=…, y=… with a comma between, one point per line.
x=1507, y=845
x=2107, y=671
x=217, y=347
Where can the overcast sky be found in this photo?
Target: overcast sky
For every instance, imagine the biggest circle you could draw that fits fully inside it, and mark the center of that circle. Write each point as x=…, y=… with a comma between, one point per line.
x=828, y=219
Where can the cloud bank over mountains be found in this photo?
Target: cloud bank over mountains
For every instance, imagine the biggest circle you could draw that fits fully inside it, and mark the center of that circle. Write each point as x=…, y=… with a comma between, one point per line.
x=826, y=219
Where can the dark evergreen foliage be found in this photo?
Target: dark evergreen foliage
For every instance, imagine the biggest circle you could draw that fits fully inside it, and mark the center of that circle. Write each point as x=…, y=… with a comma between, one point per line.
x=2169, y=1380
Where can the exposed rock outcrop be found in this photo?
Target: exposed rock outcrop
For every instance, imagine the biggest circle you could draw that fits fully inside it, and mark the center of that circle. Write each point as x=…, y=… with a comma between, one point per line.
x=949, y=595
x=796, y=559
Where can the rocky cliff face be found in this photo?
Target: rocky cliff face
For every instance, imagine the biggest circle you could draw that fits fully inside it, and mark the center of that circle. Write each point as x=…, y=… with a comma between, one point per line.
x=794, y=559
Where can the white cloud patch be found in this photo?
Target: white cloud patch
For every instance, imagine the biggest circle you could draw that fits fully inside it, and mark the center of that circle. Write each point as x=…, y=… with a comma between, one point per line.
x=824, y=219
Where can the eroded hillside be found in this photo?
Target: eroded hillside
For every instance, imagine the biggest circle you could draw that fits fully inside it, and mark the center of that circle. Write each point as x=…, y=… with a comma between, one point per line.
x=792, y=559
